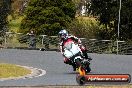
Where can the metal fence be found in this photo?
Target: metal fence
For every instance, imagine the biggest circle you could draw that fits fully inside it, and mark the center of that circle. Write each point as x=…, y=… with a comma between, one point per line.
x=22, y=41
x=108, y=46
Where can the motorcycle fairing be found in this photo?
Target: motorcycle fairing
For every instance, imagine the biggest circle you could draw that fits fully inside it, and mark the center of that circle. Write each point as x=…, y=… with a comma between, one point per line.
x=71, y=49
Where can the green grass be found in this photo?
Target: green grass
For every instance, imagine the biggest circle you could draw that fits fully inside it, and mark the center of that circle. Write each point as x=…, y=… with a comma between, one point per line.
x=11, y=70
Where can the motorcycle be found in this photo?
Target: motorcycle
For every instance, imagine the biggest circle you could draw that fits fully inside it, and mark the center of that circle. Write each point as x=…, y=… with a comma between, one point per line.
x=75, y=56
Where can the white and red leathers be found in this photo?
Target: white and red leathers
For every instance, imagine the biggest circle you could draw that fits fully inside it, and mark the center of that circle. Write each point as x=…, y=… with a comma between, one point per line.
x=75, y=40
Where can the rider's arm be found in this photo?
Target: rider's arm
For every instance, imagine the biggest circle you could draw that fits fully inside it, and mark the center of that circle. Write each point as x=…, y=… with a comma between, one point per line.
x=77, y=40
x=61, y=47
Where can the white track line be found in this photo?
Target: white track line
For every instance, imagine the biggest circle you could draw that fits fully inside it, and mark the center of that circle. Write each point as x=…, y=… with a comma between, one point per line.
x=35, y=72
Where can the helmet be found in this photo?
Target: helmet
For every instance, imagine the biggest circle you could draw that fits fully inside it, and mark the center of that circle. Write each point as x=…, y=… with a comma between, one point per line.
x=63, y=34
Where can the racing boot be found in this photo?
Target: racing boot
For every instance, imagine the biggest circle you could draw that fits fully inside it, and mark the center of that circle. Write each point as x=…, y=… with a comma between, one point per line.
x=74, y=67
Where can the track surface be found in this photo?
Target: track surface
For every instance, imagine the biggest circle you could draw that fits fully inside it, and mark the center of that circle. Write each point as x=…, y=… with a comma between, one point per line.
x=58, y=73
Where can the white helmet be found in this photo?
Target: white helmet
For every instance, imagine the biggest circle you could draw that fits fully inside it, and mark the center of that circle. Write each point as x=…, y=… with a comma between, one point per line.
x=63, y=34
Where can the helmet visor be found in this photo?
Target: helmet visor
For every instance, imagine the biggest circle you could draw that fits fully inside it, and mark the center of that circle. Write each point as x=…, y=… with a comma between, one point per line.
x=62, y=35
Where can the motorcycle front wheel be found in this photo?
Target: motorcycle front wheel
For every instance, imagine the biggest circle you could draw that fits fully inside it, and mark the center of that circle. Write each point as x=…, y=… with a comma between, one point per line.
x=81, y=80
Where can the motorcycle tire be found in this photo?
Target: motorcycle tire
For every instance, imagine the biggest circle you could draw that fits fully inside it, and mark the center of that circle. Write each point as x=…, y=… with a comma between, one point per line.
x=81, y=80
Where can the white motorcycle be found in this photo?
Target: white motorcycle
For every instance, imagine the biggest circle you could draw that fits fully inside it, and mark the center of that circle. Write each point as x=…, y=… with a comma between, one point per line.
x=74, y=54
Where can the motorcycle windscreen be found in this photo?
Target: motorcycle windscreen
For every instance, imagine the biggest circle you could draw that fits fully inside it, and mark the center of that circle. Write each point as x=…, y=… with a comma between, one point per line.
x=71, y=49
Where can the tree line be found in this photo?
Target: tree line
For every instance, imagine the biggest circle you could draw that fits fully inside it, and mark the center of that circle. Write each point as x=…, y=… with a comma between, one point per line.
x=50, y=16
x=107, y=12
x=4, y=11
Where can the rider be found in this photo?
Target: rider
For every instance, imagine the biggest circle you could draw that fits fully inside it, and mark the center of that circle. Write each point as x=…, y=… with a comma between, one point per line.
x=63, y=34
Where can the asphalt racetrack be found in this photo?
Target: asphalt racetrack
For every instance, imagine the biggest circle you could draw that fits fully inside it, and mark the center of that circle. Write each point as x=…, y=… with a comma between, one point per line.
x=58, y=73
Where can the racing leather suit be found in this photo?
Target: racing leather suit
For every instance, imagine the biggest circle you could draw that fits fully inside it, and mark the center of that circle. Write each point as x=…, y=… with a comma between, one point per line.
x=76, y=40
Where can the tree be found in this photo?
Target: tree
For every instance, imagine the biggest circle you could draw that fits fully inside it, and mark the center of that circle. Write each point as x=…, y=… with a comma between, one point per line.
x=18, y=7
x=85, y=27
x=81, y=6
x=107, y=13
x=126, y=20
x=48, y=16
x=4, y=10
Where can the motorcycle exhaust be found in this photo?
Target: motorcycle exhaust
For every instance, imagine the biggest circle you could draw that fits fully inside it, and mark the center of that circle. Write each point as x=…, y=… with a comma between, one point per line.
x=81, y=71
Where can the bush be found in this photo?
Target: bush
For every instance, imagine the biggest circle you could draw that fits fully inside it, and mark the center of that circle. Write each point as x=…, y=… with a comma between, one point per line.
x=85, y=27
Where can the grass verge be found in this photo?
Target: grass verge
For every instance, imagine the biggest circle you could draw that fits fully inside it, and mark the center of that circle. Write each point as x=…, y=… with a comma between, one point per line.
x=11, y=70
